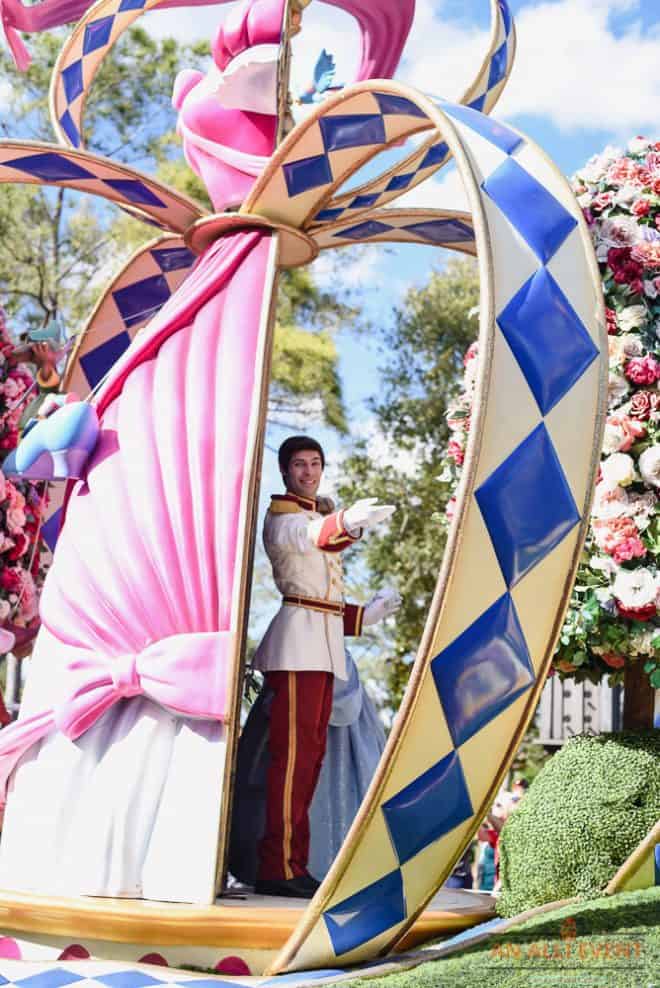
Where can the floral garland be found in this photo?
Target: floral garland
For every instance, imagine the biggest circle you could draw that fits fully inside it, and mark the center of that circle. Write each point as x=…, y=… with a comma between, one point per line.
x=21, y=503
x=614, y=613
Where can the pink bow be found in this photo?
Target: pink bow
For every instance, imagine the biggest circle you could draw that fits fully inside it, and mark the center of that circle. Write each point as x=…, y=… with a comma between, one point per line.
x=185, y=673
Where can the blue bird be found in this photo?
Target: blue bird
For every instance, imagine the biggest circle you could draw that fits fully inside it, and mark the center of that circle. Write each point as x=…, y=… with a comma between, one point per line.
x=324, y=74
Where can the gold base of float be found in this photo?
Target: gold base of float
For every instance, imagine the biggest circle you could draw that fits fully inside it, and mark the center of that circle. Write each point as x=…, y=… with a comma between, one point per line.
x=253, y=928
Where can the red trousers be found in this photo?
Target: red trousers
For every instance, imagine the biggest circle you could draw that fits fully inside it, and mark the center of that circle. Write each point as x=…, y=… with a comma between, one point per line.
x=299, y=718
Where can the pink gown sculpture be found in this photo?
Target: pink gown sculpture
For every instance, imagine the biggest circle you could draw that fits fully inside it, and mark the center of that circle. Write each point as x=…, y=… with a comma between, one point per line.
x=138, y=611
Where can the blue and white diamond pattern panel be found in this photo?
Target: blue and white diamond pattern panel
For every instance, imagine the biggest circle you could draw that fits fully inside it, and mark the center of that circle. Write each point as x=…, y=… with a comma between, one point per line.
x=517, y=533
x=80, y=59
x=342, y=135
x=431, y=227
x=136, y=294
x=44, y=164
x=482, y=94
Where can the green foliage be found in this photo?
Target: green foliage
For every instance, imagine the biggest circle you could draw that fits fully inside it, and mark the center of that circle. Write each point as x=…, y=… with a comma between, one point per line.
x=584, y=814
x=425, y=348
x=58, y=248
x=612, y=942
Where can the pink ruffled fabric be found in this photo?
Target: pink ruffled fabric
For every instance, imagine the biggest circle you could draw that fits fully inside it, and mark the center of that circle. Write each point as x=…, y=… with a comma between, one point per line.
x=140, y=594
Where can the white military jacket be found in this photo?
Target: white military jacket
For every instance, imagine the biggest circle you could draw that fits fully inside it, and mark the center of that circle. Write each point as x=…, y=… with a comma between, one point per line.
x=304, y=548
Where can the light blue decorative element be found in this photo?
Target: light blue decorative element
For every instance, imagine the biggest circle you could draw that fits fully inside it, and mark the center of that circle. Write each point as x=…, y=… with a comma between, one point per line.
x=530, y=208
x=128, y=979
x=368, y=913
x=494, y=131
x=483, y=671
x=548, y=339
x=57, y=447
x=527, y=506
x=429, y=807
x=54, y=978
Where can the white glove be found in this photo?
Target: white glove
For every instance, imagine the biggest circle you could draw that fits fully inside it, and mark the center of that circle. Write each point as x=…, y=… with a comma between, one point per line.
x=365, y=513
x=386, y=602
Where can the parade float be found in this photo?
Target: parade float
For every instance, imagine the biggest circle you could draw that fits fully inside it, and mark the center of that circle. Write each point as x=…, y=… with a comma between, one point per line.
x=119, y=771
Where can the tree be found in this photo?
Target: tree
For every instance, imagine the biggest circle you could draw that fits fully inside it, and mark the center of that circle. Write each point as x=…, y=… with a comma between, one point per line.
x=401, y=465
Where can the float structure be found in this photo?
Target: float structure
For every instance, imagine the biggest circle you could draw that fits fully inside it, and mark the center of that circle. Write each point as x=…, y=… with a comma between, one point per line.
x=522, y=507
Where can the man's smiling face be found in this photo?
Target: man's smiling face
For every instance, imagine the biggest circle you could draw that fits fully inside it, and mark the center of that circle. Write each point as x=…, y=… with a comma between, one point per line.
x=304, y=474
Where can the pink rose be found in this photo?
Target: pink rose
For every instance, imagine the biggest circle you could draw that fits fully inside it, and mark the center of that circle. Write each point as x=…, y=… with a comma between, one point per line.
x=630, y=429
x=15, y=520
x=601, y=201
x=450, y=510
x=456, y=452
x=612, y=327
x=628, y=549
x=642, y=370
x=641, y=208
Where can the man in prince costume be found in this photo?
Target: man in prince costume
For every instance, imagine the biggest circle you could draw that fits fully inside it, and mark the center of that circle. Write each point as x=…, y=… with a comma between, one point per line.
x=302, y=652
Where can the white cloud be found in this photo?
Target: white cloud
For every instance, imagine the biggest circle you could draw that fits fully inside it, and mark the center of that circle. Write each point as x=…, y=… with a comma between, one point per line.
x=571, y=67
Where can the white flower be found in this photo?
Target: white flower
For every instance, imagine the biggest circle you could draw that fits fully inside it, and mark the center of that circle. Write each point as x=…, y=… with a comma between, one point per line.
x=584, y=200
x=650, y=290
x=618, y=470
x=642, y=509
x=649, y=466
x=632, y=317
x=620, y=231
x=631, y=345
x=638, y=145
x=614, y=438
x=626, y=194
x=617, y=388
x=635, y=587
x=609, y=502
x=604, y=565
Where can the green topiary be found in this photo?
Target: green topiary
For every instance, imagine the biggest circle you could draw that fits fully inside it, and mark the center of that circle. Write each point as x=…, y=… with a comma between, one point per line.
x=583, y=815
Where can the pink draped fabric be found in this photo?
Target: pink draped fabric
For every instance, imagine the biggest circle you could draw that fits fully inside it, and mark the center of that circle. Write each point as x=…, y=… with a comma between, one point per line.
x=146, y=562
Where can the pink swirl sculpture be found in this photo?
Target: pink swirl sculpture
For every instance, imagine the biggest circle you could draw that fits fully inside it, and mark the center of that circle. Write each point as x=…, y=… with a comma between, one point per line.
x=144, y=576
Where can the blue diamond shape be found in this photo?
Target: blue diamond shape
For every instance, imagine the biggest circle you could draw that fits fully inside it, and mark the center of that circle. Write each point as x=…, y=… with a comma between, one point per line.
x=134, y=191
x=68, y=126
x=352, y=130
x=50, y=529
x=50, y=166
x=366, y=914
x=443, y=231
x=548, y=339
x=329, y=214
x=434, y=156
x=128, y=979
x=483, y=670
x=142, y=299
x=535, y=213
x=367, y=200
x=527, y=505
x=72, y=77
x=478, y=103
x=370, y=228
x=426, y=809
x=493, y=131
x=498, y=65
x=97, y=34
x=390, y=103
x=55, y=978
x=506, y=16
x=173, y=258
x=132, y=4
x=399, y=181
x=307, y=173
x=98, y=362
